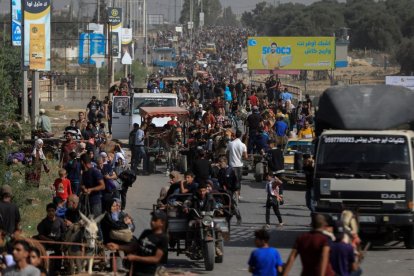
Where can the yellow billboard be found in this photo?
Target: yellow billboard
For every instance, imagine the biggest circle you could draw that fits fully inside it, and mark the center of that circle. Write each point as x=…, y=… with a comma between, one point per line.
x=291, y=53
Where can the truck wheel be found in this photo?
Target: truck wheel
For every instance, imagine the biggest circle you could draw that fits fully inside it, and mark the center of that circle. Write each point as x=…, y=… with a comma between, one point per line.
x=409, y=237
x=209, y=253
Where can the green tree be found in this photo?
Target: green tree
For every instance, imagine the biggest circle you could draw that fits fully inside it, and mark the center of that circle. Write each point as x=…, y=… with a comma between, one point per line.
x=228, y=18
x=212, y=11
x=376, y=31
x=405, y=56
x=10, y=80
x=259, y=18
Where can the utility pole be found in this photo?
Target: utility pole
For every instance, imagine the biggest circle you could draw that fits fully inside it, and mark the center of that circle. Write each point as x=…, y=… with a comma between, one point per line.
x=201, y=17
x=191, y=23
x=98, y=19
x=98, y=12
x=175, y=11
x=145, y=33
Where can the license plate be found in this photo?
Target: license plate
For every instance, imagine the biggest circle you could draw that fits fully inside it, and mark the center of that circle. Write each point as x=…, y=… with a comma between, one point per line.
x=366, y=219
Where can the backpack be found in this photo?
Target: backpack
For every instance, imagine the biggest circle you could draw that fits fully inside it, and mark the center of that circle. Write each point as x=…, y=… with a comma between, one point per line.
x=231, y=179
x=128, y=177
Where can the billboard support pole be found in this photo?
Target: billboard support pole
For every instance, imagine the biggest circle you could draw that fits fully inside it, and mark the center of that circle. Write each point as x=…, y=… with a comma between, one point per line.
x=306, y=81
x=35, y=98
x=25, y=100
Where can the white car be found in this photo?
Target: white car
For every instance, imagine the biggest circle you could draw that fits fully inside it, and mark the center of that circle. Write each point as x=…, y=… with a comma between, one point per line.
x=242, y=66
x=202, y=62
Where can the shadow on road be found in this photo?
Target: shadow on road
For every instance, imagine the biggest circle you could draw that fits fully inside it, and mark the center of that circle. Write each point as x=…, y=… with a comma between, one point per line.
x=243, y=236
x=253, y=184
x=185, y=265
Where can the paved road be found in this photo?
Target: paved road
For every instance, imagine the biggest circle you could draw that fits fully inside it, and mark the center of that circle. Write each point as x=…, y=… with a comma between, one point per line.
x=387, y=260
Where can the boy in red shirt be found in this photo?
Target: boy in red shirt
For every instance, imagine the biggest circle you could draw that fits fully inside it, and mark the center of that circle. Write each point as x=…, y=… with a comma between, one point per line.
x=62, y=186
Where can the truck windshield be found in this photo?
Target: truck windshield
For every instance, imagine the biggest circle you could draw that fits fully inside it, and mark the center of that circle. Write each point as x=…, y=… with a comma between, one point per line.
x=364, y=154
x=153, y=102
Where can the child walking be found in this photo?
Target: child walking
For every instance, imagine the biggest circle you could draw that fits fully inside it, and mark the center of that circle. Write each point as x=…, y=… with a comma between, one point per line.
x=265, y=260
x=274, y=199
x=62, y=186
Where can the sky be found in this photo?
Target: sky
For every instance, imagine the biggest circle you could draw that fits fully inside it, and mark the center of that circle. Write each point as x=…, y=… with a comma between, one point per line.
x=166, y=7
x=238, y=6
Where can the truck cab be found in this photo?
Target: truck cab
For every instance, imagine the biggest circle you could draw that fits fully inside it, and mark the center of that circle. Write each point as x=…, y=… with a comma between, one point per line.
x=364, y=168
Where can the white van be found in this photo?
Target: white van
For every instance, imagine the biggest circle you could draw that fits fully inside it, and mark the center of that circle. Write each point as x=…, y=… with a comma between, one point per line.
x=125, y=111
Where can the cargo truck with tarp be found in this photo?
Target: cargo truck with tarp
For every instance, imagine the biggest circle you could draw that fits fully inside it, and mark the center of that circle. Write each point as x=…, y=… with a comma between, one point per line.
x=365, y=158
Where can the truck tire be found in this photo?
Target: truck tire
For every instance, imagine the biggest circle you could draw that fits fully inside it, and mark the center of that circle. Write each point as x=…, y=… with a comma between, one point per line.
x=409, y=237
x=209, y=254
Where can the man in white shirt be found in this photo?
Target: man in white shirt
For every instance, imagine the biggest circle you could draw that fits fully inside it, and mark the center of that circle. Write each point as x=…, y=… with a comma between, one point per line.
x=237, y=151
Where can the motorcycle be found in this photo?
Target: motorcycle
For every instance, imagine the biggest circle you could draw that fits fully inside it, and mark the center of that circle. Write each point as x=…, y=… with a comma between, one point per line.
x=203, y=237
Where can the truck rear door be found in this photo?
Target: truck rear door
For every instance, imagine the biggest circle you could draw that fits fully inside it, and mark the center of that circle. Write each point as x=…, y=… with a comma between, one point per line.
x=121, y=117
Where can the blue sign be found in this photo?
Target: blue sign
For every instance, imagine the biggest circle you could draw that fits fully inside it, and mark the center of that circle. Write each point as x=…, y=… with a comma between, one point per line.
x=252, y=42
x=91, y=48
x=16, y=34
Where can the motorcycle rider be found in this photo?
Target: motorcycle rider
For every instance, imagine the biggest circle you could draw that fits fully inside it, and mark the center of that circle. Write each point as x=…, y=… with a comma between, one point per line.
x=201, y=201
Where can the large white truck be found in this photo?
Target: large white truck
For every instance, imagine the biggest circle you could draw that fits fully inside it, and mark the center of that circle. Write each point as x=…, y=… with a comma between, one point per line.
x=125, y=111
x=365, y=158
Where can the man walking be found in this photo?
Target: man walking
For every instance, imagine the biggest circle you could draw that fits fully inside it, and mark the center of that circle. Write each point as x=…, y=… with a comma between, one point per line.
x=92, y=185
x=139, y=149
x=237, y=151
x=131, y=143
x=281, y=129
x=253, y=124
x=9, y=212
x=313, y=248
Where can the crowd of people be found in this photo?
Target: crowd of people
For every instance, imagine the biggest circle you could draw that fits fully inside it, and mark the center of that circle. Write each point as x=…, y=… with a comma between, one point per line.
x=230, y=120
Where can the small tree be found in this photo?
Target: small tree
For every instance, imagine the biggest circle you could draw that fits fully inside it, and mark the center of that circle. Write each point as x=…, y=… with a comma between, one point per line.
x=405, y=56
x=10, y=80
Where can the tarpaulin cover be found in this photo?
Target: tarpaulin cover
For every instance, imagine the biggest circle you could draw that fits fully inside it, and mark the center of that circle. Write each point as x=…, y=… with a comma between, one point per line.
x=365, y=107
x=160, y=112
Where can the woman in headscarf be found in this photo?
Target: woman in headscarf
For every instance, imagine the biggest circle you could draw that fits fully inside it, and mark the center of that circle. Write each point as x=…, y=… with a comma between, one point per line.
x=36, y=162
x=116, y=222
x=117, y=227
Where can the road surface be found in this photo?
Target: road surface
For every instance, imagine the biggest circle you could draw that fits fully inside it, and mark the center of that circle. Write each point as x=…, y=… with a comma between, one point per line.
x=386, y=260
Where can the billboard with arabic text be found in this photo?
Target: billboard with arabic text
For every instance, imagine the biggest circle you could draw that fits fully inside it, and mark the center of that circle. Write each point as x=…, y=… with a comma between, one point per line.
x=291, y=53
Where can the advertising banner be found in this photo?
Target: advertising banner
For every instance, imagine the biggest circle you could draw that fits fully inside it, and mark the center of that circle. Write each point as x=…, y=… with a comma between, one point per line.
x=91, y=48
x=291, y=53
x=127, y=55
x=405, y=81
x=16, y=33
x=37, y=34
x=115, y=23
